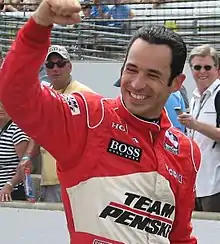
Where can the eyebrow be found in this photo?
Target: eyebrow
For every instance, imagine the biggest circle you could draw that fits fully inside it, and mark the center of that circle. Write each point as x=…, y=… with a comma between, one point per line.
x=148, y=70
x=130, y=64
x=155, y=72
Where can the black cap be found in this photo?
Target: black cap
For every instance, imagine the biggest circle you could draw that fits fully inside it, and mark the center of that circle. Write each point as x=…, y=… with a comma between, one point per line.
x=118, y=83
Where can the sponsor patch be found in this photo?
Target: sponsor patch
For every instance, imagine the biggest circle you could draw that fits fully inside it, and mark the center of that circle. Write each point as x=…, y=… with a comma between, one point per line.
x=141, y=213
x=173, y=173
x=171, y=142
x=124, y=150
x=119, y=127
x=72, y=103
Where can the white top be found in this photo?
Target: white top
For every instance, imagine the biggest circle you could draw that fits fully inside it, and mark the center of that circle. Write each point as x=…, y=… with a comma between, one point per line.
x=203, y=109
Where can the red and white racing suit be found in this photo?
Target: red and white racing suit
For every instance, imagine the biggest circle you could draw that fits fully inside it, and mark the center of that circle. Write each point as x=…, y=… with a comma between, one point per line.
x=124, y=180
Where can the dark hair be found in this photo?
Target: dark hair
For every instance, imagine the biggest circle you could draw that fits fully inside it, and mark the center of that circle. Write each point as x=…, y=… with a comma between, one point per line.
x=162, y=36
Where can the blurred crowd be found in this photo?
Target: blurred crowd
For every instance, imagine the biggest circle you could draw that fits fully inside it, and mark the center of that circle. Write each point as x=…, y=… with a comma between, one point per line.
x=91, y=9
x=111, y=13
x=18, y=5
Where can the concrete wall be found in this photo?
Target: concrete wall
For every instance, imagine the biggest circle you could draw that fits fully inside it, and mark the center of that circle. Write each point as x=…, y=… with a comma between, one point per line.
x=34, y=226
x=101, y=76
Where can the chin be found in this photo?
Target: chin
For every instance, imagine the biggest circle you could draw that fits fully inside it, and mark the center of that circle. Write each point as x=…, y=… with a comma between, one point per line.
x=145, y=111
x=136, y=110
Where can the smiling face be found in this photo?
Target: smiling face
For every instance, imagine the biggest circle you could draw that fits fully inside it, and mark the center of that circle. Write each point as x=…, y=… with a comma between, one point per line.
x=145, y=79
x=204, y=71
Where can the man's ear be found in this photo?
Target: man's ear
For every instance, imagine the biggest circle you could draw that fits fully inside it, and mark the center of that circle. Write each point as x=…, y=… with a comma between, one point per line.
x=70, y=66
x=177, y=82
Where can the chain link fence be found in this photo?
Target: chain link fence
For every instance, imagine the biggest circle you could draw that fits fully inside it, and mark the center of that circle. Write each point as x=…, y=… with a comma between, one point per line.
x=103, y=39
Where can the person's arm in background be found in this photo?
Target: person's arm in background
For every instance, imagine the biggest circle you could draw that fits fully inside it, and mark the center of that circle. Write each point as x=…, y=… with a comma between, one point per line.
x=20, y=148
x=206, y=129
x=32, y=150
x=53, y=120
x=20, y=141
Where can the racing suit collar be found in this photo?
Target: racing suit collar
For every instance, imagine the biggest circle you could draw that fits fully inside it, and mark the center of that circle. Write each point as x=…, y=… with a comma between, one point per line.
x=142, y=125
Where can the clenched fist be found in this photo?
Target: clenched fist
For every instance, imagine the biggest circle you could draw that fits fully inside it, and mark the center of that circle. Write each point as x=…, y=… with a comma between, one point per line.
x=63, y=12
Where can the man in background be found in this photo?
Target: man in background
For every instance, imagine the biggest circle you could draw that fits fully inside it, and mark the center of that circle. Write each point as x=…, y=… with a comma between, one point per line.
x=201, y=121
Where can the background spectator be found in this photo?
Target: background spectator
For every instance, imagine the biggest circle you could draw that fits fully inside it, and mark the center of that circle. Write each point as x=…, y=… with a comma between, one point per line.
x=86, y=8
x=175, y=101
x=12, y=6
x=100, y=11
x=202, y=122
x=30, y=5
x=123, y=12
x=13, y=142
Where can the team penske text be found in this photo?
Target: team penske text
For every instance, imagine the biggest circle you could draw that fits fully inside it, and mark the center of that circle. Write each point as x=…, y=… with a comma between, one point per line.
x=141, y=213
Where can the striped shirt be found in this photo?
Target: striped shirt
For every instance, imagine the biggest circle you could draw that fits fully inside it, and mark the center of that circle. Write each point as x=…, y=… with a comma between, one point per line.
x=8, y=157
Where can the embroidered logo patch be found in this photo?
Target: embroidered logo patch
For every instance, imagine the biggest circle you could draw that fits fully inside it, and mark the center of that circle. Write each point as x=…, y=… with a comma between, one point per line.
x=124, y=150
x=72, y=103
x=171, y=142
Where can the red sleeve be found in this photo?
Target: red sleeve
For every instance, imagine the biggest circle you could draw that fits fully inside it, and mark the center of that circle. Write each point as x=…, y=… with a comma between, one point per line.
x=52, y=120
x=182, y=228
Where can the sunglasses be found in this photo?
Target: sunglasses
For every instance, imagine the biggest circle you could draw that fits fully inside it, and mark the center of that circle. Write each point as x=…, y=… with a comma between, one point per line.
x=205, y=67
x=60, y=64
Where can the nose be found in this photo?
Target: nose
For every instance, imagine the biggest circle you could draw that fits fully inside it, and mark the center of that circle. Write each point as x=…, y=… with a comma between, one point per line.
x=202, y=70
x=55, y=69
x=139, y=82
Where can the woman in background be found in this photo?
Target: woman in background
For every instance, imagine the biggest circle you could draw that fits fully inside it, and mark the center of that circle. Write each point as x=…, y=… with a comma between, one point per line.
x=13, y=142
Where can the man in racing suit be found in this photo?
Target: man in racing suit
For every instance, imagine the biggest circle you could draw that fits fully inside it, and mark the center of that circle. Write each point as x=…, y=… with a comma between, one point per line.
x=127, y=175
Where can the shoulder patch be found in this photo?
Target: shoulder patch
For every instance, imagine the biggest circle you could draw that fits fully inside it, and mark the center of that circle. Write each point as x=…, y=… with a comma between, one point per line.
x=171, y=142
x=72, y=103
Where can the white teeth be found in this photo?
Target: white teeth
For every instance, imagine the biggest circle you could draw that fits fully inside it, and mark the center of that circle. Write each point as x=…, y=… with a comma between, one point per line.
x=139, y=97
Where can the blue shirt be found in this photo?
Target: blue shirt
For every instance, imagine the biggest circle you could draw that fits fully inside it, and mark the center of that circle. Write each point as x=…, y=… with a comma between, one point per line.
x=120, y=12
x=175, y=100
x=95, y=13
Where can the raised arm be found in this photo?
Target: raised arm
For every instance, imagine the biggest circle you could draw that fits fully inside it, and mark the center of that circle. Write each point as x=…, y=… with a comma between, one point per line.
x=50, y=119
